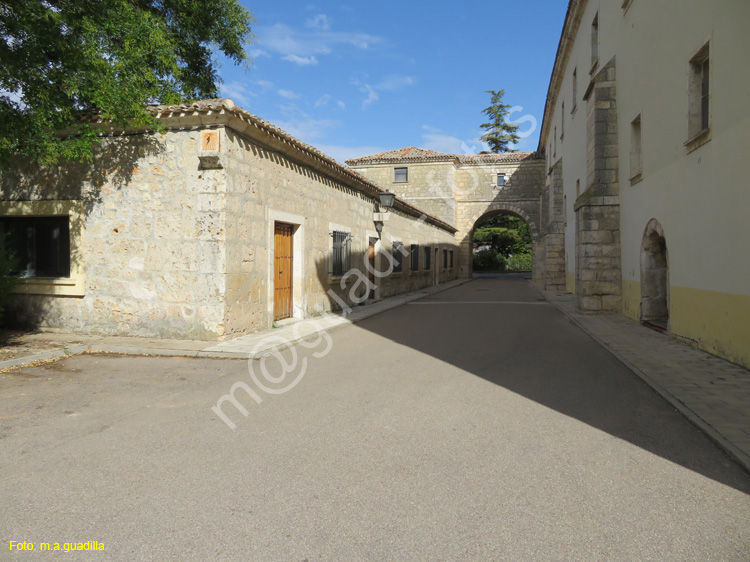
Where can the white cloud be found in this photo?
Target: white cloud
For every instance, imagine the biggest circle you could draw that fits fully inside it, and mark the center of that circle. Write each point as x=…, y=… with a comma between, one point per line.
x=302, y=45
x=394, y=83
x=264, y=83
x=341, y=104
x=257, y=53
x=372, y=95
x=288, y=94
x=323, y=100
x=238, y=92
x=301, y=125
x=320, y=21
x=302, y=61
x=389, y=84
x=343, y=153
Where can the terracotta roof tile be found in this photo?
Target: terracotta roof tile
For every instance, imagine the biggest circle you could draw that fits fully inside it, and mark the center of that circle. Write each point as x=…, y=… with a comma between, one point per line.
x=414, y=154
x=220, y=105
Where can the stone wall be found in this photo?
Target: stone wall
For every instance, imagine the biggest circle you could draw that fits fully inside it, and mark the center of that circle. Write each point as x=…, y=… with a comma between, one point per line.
x=477, y=195
x=464, y=189
x=177, y=234
x=429, y=187
x=151, y=244
x=598, y=263
x=265, y=185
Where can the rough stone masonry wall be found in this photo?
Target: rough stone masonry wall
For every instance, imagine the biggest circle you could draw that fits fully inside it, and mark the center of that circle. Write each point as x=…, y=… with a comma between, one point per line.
x=263, y=183
x=430, y=185
x=152, y=240
x=477, y=194
x=598, y=263
x=552, y=239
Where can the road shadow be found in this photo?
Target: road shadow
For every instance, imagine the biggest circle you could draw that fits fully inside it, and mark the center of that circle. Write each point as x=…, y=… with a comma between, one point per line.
x=533, y=350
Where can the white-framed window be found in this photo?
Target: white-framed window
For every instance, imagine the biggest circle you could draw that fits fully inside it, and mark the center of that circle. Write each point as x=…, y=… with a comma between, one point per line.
x=501, y=179
x=401, y=175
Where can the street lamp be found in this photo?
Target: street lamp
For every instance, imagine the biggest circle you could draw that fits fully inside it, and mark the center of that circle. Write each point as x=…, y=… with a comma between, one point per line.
x=386, y=202
x=386, y=199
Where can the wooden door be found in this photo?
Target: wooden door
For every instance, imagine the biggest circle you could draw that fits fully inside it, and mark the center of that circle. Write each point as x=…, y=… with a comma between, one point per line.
x=282, y=288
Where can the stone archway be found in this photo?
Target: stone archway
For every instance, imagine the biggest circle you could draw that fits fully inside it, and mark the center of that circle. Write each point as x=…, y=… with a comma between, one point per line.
x=470, y=213
x=654, y=276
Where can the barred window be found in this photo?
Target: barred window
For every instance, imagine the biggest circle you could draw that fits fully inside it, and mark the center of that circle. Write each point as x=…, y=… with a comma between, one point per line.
x=342, y=251
x=427, y=255
x=415, y=257
x=398, y=257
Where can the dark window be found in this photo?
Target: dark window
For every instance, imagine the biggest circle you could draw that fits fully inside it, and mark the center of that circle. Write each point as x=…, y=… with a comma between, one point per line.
x=398, y=256
x=445, y=259
x=341, y=252
x=401, y=175
x=427, y=256
x=699, y=93
x=40, y=244
x=595, y=40
x=451, y=259
x=414, y=257
x=704, y=94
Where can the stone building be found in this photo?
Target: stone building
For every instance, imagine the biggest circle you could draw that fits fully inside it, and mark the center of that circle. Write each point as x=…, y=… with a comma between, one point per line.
x=645, y=127
x=635, y=197
x=214, y=228
x=461, y=189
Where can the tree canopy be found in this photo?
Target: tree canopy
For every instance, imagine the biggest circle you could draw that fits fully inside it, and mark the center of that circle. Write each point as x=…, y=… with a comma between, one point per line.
x=500, y=134
x=62, y=58
x=504, y=234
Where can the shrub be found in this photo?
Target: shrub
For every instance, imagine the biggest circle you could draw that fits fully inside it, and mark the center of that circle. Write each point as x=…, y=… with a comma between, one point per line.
x=487, y=260
x=520, y=262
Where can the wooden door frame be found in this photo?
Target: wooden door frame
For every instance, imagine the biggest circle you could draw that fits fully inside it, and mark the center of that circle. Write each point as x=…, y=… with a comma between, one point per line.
x=289, y=270
x=299, y=298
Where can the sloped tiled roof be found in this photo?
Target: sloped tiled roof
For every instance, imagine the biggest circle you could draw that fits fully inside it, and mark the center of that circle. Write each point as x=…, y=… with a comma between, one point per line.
x=414, y=154
x=491, y=158
x=408, y=154
x=209, y=110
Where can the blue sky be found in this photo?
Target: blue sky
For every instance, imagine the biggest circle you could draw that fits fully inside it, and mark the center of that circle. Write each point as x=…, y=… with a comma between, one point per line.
x=355, y=79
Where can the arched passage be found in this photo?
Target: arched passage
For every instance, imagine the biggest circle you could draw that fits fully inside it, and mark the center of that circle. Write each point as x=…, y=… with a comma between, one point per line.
x=502, y=209
x=654, y=276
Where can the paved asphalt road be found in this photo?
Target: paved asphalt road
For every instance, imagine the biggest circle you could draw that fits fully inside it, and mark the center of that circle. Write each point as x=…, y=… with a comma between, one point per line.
x=477, y=425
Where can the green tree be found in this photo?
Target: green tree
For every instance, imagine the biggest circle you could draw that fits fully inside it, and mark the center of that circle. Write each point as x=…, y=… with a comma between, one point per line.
x=62, y=58
x=500, y=134
x=503, y=241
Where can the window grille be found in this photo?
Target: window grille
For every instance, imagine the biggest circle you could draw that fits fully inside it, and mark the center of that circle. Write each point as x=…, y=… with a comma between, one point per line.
x=341, y=252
